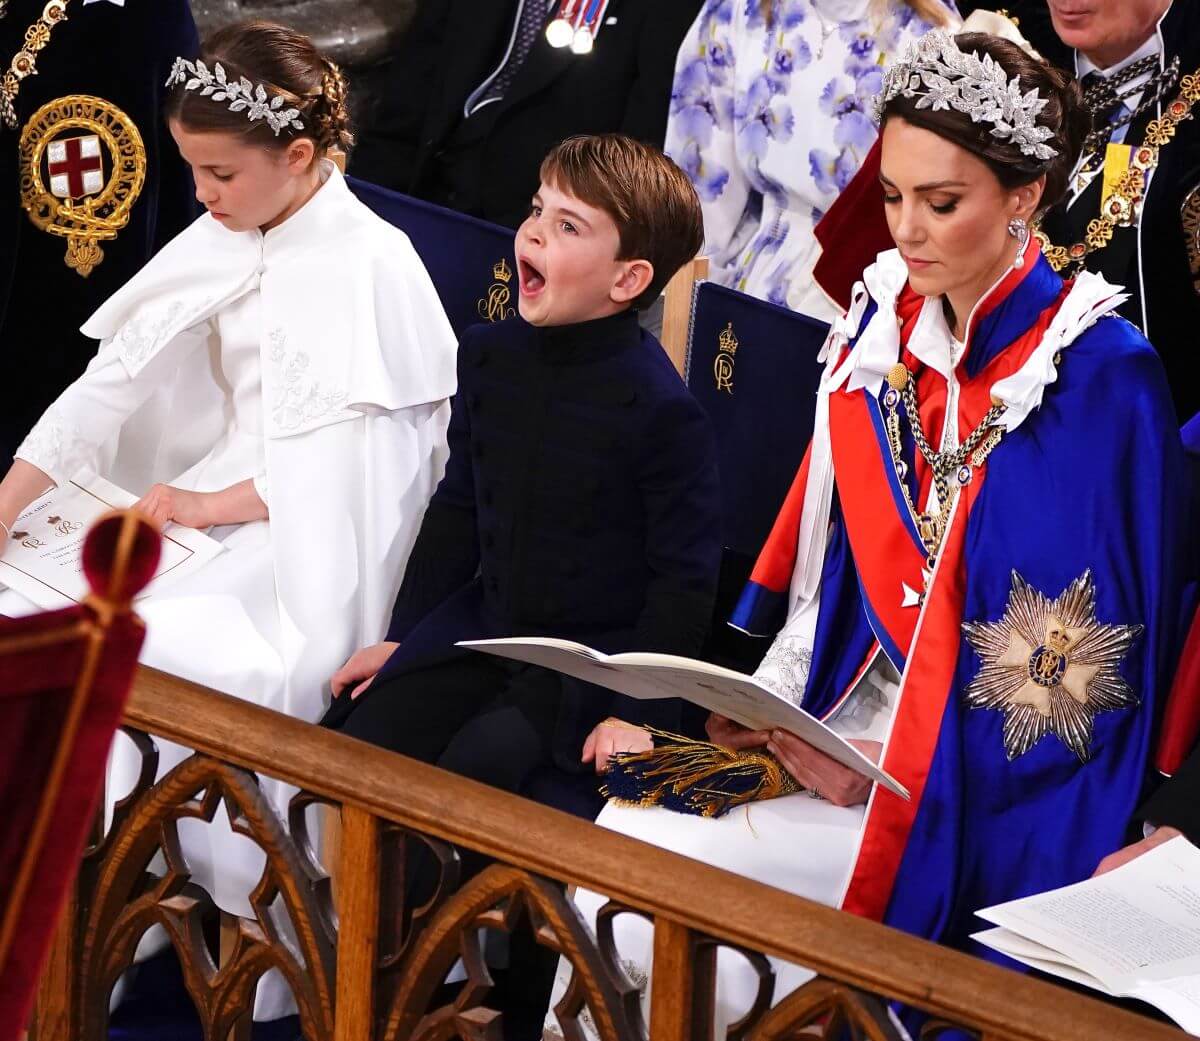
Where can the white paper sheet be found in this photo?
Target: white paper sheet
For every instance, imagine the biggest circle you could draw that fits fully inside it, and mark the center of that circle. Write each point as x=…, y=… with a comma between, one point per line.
x=650, y=677
x=43, y=561
x=1133, y=932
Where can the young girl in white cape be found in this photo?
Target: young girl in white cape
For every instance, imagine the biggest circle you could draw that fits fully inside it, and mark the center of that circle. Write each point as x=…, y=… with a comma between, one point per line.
x=278, y=375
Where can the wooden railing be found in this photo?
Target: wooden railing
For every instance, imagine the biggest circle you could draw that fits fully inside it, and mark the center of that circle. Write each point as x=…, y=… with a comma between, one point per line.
x=357, y=976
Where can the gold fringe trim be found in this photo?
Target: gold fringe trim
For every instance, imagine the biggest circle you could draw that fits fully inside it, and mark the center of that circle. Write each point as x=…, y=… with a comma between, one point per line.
x=684, y=768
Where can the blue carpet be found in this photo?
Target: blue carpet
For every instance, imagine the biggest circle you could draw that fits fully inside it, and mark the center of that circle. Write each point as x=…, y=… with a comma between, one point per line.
x=157, y=1007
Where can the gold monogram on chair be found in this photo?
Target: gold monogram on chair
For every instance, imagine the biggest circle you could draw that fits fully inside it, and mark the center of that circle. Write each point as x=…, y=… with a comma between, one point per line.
x=495, y=306
x=727, y=345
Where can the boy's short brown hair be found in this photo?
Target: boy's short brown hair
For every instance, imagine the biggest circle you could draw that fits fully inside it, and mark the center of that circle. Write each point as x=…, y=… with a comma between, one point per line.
x=651, y=200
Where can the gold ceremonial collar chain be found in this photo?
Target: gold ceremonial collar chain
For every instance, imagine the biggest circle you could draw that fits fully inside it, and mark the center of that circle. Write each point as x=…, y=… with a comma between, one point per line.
x=1122, y=207
x=24, y=62
x=951, y=469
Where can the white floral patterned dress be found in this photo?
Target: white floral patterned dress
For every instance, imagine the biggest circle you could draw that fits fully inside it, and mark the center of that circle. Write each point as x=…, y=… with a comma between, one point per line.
x=770, y=118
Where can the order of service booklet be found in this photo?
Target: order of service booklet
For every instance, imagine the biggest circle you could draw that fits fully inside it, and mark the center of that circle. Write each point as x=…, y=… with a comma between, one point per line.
x=1133, y=932
x=649, y=677
x=43, y=560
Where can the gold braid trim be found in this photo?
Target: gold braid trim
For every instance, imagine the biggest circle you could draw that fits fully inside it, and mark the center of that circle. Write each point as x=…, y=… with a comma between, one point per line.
x=24, y=62
x=1123, y=207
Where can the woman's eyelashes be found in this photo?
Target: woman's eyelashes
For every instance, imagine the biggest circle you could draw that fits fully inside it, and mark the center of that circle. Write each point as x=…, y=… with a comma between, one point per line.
x=948, y=206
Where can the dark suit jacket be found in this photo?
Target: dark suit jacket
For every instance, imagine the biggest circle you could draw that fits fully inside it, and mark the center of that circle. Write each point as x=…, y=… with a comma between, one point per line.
x=121, y=55
x=1177, y=803
x=454, y=45
x=1158, y=262
x=580, y=500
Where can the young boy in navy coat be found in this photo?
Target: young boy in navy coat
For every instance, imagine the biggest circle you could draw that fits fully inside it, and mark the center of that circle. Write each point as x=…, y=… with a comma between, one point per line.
x=580, y=499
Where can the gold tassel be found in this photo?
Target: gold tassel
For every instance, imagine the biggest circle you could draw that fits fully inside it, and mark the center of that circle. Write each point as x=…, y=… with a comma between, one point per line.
x=695, y=777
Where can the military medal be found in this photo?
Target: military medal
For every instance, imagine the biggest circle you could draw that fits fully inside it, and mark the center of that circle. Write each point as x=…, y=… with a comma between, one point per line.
x=576, y=24
x=1116, y=166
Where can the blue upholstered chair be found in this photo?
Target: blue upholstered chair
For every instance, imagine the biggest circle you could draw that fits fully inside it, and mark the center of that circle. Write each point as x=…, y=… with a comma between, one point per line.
x=753, y=367
x=470, y=261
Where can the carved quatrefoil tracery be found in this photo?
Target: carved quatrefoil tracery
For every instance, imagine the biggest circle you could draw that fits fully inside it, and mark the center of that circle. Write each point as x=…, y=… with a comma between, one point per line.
x=127, y=898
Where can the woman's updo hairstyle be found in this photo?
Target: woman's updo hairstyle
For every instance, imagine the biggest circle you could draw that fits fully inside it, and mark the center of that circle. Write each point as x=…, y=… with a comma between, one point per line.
x=288, y=65
x=1064, y=113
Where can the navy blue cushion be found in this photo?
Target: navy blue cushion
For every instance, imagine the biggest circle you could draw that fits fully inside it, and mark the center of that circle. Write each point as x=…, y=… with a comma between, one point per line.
x=470, y=261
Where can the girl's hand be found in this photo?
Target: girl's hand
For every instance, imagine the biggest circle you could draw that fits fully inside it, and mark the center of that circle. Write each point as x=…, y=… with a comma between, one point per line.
x=163, y=504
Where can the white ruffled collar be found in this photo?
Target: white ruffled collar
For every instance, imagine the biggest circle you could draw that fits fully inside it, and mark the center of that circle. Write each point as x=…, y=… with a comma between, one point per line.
x=878, y=346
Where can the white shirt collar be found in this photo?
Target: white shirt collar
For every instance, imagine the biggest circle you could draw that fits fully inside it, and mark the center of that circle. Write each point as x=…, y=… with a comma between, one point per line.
x=1153, y=45
x=932, y=342
x=1085, y=65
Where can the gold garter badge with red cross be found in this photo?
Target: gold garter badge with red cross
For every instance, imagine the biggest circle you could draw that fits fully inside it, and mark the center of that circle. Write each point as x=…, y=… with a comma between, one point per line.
x=1050, y=666
x=83, y=166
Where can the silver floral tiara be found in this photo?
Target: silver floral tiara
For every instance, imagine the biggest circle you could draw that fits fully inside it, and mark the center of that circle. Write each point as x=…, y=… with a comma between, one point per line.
x=239, y=94
x=941, y=77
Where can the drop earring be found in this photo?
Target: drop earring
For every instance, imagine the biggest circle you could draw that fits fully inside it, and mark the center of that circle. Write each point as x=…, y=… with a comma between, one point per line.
x=1019, y=230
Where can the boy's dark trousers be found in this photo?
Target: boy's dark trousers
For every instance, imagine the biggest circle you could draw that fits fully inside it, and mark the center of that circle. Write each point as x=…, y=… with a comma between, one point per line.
x=481, y=717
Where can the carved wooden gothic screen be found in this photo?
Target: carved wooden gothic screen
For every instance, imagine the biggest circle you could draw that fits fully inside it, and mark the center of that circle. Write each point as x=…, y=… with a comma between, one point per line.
x=363, y=967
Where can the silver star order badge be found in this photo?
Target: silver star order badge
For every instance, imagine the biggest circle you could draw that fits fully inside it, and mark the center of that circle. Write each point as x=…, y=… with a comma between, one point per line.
x=1050, y=666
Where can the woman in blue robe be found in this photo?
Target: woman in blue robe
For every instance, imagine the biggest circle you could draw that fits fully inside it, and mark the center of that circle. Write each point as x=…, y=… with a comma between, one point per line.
x=978, y=574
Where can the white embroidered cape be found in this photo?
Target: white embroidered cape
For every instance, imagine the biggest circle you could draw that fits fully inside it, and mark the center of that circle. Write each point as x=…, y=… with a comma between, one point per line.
x=358, y=364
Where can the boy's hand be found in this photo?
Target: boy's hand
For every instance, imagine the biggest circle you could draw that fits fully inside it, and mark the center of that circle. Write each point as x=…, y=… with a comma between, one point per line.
x=361, y=669
x=613, y=736
x=728, y=734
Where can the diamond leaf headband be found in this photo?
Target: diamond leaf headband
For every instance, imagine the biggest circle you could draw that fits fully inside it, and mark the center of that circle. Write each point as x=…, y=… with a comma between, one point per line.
x=941, y=77
x=239, y=94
